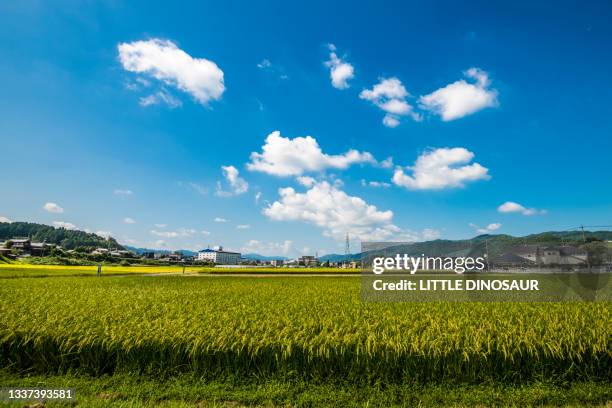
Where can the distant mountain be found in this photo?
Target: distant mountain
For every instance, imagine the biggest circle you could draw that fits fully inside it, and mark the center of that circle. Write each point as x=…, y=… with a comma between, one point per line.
x=339, y=257
x=257, y=257
x=68, y=239
x=493, y=244
x=140, y=251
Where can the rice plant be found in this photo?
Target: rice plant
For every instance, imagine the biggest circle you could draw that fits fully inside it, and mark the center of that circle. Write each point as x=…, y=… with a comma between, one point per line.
x=299, y=326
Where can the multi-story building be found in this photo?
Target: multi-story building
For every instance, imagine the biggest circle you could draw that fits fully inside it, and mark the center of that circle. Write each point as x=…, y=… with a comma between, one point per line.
x=219, y=256
x=277, y=262
x=308, y=260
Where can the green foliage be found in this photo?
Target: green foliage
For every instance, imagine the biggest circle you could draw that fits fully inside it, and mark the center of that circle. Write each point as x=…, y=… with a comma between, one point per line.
x=309, y=328
x=68, y=239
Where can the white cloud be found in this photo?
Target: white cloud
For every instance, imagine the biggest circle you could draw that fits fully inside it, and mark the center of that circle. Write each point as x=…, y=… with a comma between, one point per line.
x=387, y=163
x=160, y=98
x=104, y=234
x=236, y=183
x=461, y=98
x=488, y=229
x=441, y=168
x=512, y=207
x=267, y=248
x=219, y=219
x=181, y=232
x=164, y=61
x=377, y=184
x=204, y=232
x=161, y=225
x=340, y=71
x=257, y=197
x=429, y=234
x=160, y=244
x=129, y=220
x=243, y=226
x=390, y=95
x=306, y=181
x=122, y=192
x=337, y=213
x=265, y=63
x=64, y=224
x=53, y=208
x=4, y=219
x=391, y=121
x=165, y=234
x=282, y=156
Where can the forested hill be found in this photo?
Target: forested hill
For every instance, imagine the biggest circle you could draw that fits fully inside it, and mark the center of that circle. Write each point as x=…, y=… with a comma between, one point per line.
x=493, y=244
x=68, y=239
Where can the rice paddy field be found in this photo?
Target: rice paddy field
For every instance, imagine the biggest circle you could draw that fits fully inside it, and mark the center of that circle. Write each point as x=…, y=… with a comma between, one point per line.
x=24, y=270
x=210, y=340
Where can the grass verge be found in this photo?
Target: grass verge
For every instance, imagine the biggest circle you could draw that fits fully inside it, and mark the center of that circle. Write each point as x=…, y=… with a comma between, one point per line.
x=189, y=391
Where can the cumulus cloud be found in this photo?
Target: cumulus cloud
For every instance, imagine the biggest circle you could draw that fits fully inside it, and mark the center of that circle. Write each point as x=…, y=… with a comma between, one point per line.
x=282, y=156
x=122, y=192
x=512, y=207
x=340, y=71
x=237, y=185
x=64, y=224
x=461, y=98
x=337, y=213
x=243, y=226
x=441, y=168
x=160, y=98
x=164, y=61
x=4, y=219
x=219, y=219
x=488, y=229
x=387, y=163
x=53, y=208
x=306, y=181
x=129, y=220
x=390, y=95
x=181, y=232
x=267, y=248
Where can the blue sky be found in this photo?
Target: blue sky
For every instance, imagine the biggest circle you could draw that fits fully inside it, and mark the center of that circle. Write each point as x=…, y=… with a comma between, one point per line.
x=120, y=117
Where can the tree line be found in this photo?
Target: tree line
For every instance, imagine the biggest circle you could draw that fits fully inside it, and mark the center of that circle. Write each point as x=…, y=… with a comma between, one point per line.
x=68, y=239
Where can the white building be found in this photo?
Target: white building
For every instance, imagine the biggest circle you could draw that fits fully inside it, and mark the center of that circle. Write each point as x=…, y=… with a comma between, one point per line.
x=219, y=256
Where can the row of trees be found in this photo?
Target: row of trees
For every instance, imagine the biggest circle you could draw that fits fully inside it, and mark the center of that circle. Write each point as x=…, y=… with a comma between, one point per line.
x=69, y=239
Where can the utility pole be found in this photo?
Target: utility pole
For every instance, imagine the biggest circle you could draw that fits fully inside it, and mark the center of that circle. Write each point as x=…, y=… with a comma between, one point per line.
x=487, y=254
x=347, y=248
x=347, y=245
